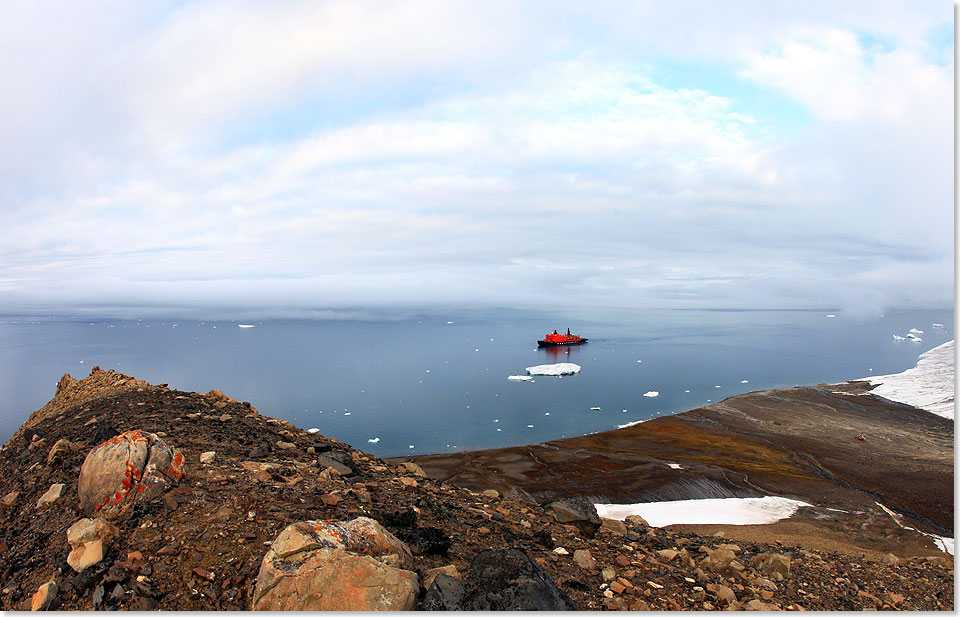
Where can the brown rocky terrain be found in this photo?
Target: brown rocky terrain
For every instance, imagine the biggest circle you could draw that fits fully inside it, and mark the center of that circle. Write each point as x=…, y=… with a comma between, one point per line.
x=797, y=442
x=196, y=538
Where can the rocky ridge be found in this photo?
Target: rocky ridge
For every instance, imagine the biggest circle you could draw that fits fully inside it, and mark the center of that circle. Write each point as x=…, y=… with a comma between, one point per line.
x=202, y=542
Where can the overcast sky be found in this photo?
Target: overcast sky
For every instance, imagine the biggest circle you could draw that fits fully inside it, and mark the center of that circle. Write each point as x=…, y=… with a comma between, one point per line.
x=280, y=154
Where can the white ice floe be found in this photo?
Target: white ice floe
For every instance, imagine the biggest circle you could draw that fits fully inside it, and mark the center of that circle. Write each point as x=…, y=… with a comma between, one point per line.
x=915, y=331
x=520, y=378
x=595, y=409
x=245, y=325
x=938, y=325
x=897, y=337
x=313, y=430
x=732, y=511
x=374, y=440
x=674, y=466
x=831, y=315
x=651, y=394
x=554, y=370
x=928, y=386
x=744, y=381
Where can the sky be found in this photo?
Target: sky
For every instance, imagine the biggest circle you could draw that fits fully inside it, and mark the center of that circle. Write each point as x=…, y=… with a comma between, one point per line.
x=289, y=155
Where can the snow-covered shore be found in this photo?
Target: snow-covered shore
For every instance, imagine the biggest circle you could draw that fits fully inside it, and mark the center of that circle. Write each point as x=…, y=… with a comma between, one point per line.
x=928, y=386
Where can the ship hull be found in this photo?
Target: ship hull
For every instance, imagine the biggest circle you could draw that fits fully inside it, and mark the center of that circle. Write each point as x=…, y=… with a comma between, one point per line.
x=560, y=343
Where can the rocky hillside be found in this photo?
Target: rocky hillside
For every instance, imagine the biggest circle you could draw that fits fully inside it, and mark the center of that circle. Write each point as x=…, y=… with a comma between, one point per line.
x=222, y=508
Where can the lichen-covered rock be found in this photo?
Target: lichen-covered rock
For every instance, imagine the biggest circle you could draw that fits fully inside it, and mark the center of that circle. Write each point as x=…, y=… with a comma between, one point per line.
x=132, y=465
x=336, y=566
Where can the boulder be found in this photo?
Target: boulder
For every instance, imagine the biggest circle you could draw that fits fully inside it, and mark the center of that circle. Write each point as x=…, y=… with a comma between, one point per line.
x=207, y=457
x=430, y=575
x=336, y=566
x=613, y=526
x=414, y=469
x=635, y=520
x=325, y=461
x=719, y=559
x=576, y=511
x=127, y=467
x=58, y=452
x=90, y=539
x=44, y=596
x=584, y=559
x=52, y=494
x=507, y=579
x=772, y=564
x=444, y=594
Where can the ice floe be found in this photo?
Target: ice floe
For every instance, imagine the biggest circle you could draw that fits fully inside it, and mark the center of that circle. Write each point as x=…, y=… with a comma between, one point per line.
x=313, y=430
x=520, y=378
x=675, y=466
x=244, y=325
x=938, y=325
x=554, y=370
x=915, y=331
x=374, y=440
x=744, y=381
x=651, y=394
x=928, y=386
x=595, y=409
x=732, y=511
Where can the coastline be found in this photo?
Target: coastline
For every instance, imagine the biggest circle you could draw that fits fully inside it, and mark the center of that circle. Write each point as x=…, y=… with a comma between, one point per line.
x=800, y=443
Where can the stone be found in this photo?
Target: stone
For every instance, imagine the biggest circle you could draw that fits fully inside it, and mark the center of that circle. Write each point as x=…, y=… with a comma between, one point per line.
x=43, y=597
x=207, y=457
x=668, y=553
x=89, y=529
x=576, y=511
x=724, y=595
x=58, y=452
x=327, y=460
x=9, y=499
x=507, y=579
x=407, y=482
x=772, y=564
x=444, y=594
x=330, y=499
x=286, y=445
x=757, y=605
x=130, y=466
x=890, y=559
x=584, y=559
x=719, y=559
x=608, y=574
x=617, y=587
x=86, y=555
x=336, y=566
x=613, y=526
x=432, y=573
x=635, y=520
x=52, y=494
x=490, y=493
x=414, y=469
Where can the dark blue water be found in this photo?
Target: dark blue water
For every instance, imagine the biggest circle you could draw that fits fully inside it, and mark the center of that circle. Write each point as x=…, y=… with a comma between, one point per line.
x=439, y=386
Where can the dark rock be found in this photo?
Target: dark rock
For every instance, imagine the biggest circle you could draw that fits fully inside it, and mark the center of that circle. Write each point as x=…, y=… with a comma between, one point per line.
x=444, y=594
x=576, y=511
x=141, y=603
x=399, y=519
x=118, y=592
x=502, y=580
x=98, y=596
x=115, y=574
x=425, y=540
x=329, y=460
x=258, y=452
x=544, y=539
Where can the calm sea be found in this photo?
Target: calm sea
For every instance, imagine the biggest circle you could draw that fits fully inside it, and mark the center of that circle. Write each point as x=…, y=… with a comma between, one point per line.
x=438, y=382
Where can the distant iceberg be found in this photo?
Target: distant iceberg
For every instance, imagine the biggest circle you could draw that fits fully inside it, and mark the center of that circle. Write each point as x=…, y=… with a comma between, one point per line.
x=938, y=325
x=374, y=440
x=245, y=325
x=560, y=368
x=520, y=378
x=651, y=394
x=313, y=430
x=915, y=331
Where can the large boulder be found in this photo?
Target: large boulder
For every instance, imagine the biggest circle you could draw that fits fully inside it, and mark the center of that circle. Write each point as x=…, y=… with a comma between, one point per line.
x=576, y=511
x=130, y=466
x=499, y=580
x=90, y=540
x=352, y=565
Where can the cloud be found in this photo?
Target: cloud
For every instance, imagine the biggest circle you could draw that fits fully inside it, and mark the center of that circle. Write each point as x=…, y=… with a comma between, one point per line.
x=341, y=152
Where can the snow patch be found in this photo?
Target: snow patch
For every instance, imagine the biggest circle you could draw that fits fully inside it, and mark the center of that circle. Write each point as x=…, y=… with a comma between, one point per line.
x=732, y=511
x=554, y=370
x=928, y=386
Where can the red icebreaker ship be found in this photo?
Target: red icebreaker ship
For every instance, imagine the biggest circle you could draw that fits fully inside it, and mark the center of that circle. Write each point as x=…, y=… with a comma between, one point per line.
x=552, y=340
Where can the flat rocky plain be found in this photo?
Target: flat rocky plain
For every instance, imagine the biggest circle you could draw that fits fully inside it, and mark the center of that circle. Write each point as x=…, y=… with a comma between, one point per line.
x=199, y=545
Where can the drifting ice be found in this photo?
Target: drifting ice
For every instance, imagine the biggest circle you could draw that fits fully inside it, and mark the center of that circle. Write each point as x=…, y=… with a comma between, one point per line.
x=374, y=440
x=245, y=325
x=652, y=394
x=561, y=368
x=520, y=378
x=313, y=430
